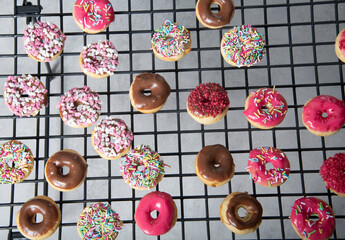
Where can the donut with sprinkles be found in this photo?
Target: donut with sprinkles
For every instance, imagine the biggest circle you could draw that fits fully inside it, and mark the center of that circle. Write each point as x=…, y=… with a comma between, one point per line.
x=93, y=16
x=25, y=95
x=43, y=41
x=16, y=162
x=99, y=221
x=265, y=108
x=99, y=60
x=152, y=165
x=111, y=138
x=242, y=46
x=80, y=107
x=171, y=41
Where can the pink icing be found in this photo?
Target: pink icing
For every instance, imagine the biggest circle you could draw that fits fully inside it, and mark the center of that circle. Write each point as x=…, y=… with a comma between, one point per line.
x=94, y=14
x=259, y=157
x=43, y=40
x=34, y=91
x=342, y=43
x=313, y=114
x=100, y=58
x=161, y=202
x=314, y=230
x=273, y=101
x=111, y=136
x=80, y=107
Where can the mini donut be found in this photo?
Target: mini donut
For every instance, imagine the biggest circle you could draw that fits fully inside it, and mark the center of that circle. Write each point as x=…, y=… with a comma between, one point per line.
x=43, y=41
x=50, y=212
x=160, y=91
x=16, y=162
x=332, y=173
x=25, y=95
x=340, y=45
x=80, y=107
x=265, y=108
x=242, y=46
x=232, y=220
x=214, y=20
x=111, y=138
x=99, y=60
x=214, y=165
x=171, y=41
x=152, y=164
x=259, y=157
x=314, y=111
x=93, y=16
x=208, y=103
x=166, y=210
x=77, y=170
x=99, y=221
x=308, y=229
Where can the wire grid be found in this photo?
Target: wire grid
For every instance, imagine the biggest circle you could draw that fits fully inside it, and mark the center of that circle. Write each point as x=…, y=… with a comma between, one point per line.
x=300, y=61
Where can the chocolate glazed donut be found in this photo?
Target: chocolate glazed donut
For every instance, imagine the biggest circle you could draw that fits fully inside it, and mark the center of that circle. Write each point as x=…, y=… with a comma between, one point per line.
x=160, y=90
x=77, y=170
x=214, y=20
x=214, y=165
x=26, y=218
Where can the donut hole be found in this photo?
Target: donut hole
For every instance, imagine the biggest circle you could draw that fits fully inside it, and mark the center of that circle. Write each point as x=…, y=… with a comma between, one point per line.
x=314, y=218
x=140, y=168
x=242, y=212
x=269, y=166
x=37, y=218
x=324, y=115
x=216, y=165
x=147, y=92
x=64, y=170
x=215, y=8
x=154, y=214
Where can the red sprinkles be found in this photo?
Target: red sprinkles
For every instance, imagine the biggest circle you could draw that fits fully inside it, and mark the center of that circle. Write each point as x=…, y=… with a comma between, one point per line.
x=332, y=172
x=208, y=99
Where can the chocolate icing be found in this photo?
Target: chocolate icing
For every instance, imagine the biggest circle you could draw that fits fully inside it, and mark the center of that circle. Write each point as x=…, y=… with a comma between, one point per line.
x=75, y=163
x=219, y=19
x=160, y=90
x=250, y=204
x=213, y=155
x=30, y=209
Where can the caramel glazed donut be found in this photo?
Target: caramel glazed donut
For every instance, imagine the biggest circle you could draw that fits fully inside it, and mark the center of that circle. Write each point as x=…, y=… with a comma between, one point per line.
x=160, y=91
x=214, y=20
x=26, y=218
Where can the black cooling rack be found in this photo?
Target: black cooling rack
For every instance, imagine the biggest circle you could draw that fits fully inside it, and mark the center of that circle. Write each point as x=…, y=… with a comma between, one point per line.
x=301, y=28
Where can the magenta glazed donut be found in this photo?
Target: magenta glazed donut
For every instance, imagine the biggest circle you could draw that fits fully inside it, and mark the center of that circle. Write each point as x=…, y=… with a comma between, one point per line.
x=167, y=213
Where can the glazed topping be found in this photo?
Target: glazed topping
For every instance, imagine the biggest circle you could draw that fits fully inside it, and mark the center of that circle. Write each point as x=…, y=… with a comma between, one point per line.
x=252, y=206
x=43, y=40
x=332, y=171
x=266, y=106
x=170, y=39
x=342, y=42
x=99, y=221
x=74, y=162
x=208, y=99
x=112, y=136
x=243, y=46
x=16, y=161
x=306, y=207
x=100, y=58
x=94, y=15
x=25, y=95
x=259, y=157
x=38, y=206
x=161, y=202
x=141, y=167
x=316, y=108
x=160, y=90
x=216, y=19
x=80, y=107
x=208, y=160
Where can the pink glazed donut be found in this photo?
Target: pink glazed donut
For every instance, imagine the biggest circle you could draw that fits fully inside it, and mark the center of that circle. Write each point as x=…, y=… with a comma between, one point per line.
x=167, y=213
x=265, y=108
x=259, y=157
x=93, y=16
x=320, y=229
x=324, y=115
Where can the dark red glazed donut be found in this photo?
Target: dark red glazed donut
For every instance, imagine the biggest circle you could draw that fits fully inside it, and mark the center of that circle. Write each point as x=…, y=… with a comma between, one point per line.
x=167, y=213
